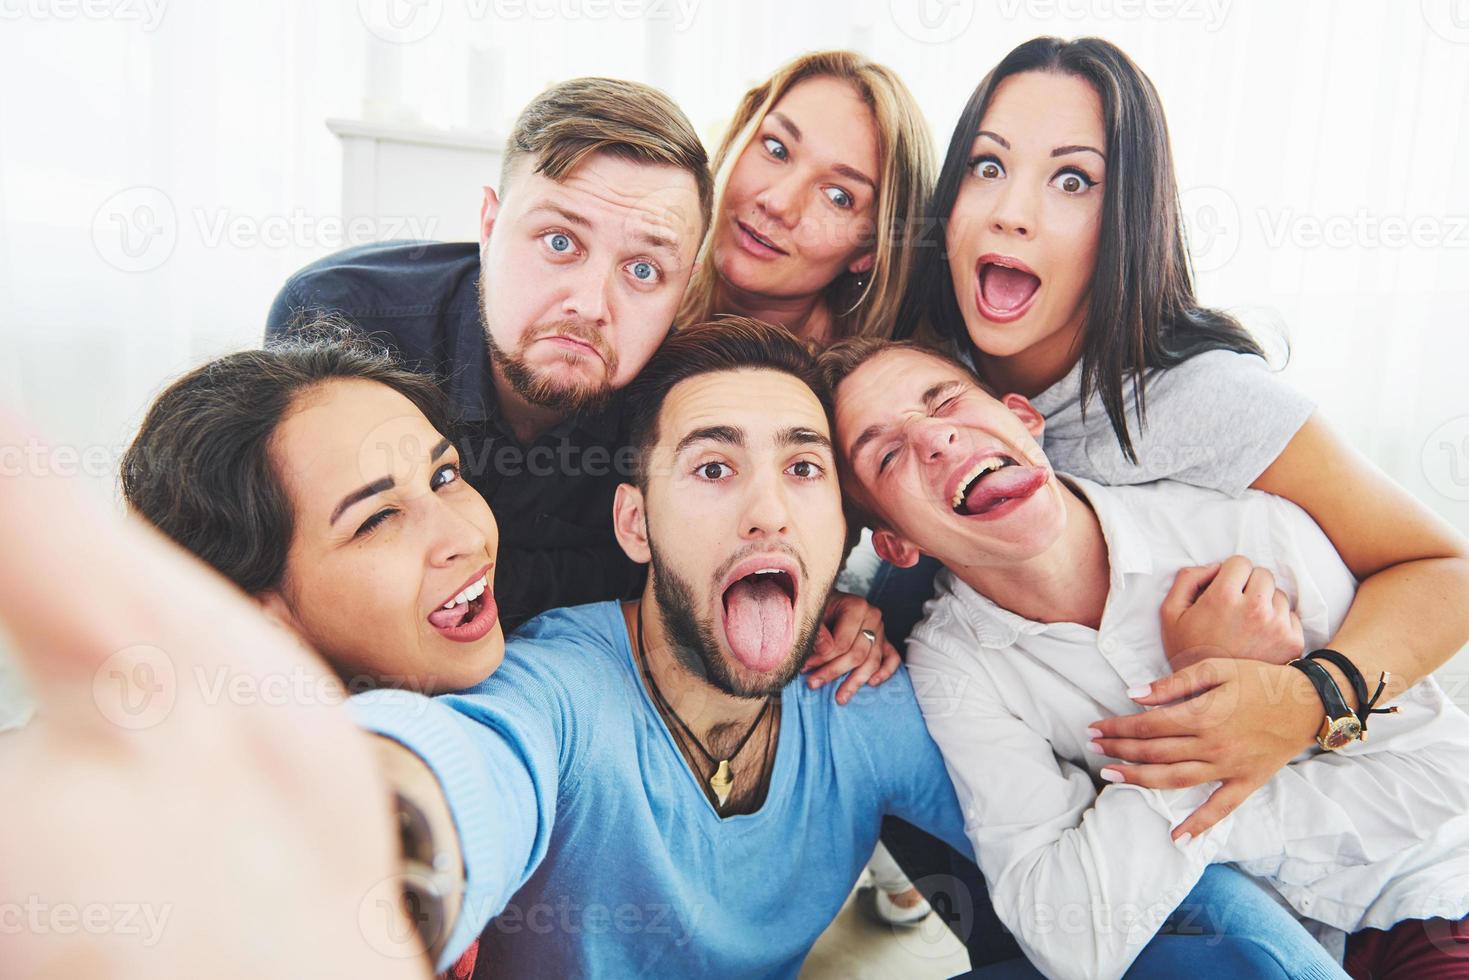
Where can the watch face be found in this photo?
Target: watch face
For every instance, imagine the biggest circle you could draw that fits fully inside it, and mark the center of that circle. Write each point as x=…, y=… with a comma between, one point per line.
x=1340, y=732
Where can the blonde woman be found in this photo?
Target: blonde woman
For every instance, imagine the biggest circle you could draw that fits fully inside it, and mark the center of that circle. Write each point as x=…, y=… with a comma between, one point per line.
x=818, y=179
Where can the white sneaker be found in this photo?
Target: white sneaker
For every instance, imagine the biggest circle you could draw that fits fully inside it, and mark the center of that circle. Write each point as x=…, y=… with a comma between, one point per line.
x=894, y=914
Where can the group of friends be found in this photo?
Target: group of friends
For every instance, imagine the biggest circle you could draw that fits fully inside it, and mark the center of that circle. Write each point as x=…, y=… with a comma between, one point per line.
x=591, y=516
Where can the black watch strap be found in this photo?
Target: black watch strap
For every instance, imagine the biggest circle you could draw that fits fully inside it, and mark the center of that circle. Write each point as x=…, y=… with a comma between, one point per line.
x=1341, y=726
x=1354, y=677
x=1366, y=703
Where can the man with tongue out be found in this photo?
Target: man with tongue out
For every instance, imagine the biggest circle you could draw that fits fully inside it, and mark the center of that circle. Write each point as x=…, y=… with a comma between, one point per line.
x=646, y=788
x=1046, y=625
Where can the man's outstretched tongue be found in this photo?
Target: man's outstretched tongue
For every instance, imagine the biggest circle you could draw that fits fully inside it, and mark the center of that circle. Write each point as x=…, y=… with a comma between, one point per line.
x=757, y=621
x=993, y=489
x=1006, y=288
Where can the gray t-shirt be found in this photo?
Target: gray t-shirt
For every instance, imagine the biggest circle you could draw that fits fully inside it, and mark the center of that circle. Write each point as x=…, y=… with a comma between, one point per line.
x=1217, y=420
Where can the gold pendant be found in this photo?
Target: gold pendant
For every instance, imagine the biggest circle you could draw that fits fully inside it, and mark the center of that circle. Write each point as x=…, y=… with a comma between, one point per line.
x=721, y=782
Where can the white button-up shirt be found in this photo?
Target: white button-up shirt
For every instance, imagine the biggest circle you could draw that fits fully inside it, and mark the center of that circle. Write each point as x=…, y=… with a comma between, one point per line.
x=1084, y=872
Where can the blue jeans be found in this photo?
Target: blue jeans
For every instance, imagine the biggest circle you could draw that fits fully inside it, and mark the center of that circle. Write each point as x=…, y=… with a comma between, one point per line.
x=1228, y=928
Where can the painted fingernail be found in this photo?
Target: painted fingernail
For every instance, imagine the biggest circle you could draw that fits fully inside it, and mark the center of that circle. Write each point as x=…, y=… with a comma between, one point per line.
x=1112, y=775
x=1094, y=747
x=1140, y=691
x=1183, y=839
x=1094, y=733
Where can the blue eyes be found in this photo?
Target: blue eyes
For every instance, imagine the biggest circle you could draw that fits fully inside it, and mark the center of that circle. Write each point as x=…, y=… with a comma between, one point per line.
x=835, y=195
x=642, y=271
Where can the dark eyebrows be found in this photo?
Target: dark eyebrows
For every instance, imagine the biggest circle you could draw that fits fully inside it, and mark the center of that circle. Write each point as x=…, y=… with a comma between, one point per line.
x=1061, y=151
x=730, y=435
x=362, y=493
x=380, y=485
x=801, y=436
x=790, y=127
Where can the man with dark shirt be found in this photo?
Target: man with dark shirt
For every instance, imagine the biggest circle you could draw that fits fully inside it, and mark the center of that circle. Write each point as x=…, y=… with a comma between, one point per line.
x=583, y=256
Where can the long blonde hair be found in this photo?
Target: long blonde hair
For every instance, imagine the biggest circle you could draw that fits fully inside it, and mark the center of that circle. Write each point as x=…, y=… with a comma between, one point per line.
x=905, y=179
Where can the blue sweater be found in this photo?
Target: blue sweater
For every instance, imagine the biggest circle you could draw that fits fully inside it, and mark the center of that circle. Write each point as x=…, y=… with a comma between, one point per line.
x=591, y=846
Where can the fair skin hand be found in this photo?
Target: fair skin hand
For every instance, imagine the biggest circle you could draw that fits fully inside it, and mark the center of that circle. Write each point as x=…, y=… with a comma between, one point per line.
x=1410, y=614
x=133, y=775
x=385, y=533
x=798, y=209
x=582, y=277
x=841, y=648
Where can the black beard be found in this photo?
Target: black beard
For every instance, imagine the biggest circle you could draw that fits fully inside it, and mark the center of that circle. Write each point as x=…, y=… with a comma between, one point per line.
x=532, y=387
x=696, y=648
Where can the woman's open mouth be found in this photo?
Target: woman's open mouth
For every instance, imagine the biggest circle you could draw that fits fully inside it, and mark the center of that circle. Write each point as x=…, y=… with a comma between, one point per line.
x=1004, y=288
x=469, y=614
x=759, y=607
x=994, y=486
x=755, y=243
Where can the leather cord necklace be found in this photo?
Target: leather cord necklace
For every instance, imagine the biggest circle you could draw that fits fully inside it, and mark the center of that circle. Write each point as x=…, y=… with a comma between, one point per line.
x=721, y=783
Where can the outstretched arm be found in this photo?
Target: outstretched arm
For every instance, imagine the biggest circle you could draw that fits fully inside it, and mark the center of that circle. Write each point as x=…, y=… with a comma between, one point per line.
x=138, y=775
